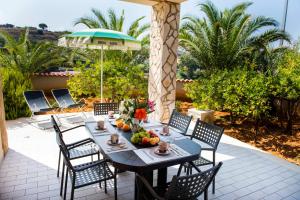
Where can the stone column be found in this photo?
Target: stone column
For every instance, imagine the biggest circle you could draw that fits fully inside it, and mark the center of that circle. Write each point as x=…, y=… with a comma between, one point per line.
x=163, y=58
x=3, y=132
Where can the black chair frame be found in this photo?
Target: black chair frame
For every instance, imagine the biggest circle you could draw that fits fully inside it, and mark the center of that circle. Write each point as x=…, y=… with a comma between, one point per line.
x=180, y=121
x=103, y=108
x=72, y=171
x=179, y=187
x=68, y=147
x=211, y=135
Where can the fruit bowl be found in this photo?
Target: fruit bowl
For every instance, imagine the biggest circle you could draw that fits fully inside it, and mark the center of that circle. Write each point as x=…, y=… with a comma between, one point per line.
x=145, y=138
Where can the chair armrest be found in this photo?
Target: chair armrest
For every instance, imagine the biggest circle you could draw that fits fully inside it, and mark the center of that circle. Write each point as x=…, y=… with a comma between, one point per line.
x=92, y=164
x=80, y=143
x=149, y=187
x=207, y=149
x=75, y=127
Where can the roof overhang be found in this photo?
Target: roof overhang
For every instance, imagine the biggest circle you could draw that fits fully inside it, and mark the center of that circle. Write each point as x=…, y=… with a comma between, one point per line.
x=153, y=2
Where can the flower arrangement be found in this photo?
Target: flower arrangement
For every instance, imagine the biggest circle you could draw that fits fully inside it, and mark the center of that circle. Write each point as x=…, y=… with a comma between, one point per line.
x=135, y=109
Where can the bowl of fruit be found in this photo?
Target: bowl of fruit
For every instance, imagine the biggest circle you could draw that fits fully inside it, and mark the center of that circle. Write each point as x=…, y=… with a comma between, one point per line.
x=145, y=138
x=120, y=124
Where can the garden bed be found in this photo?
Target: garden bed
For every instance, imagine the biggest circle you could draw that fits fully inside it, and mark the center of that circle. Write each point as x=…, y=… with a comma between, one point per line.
x=271, y=138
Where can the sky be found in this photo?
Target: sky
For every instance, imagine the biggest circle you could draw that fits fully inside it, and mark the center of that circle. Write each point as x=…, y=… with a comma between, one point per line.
x=61, y=14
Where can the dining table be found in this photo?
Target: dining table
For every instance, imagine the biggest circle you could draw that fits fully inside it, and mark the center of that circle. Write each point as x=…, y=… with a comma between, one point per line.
x=143, y=159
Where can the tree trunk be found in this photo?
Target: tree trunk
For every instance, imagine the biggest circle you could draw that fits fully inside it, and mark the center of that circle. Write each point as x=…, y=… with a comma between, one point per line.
x=289, y=127
x=256, y=130
x=3, y=131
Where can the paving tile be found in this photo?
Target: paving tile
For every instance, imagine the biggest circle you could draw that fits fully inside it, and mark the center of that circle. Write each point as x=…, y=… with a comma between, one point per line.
x=248, y=175
x=273, y=196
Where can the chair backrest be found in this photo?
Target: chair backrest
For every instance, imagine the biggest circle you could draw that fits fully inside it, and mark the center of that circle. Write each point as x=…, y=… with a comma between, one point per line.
x=63, y=97
x=103, y=108
x=66, y=158
x=59, y=136
x=208, y=133
x=180, y=121
x=192, y=186
x=36, y=100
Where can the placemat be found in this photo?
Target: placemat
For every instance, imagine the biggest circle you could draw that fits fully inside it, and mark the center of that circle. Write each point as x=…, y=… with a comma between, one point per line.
x=149, y=157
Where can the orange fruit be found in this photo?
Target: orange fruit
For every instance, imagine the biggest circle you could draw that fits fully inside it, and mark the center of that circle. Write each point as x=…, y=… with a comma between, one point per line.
x=119, y=123
x=126, y=127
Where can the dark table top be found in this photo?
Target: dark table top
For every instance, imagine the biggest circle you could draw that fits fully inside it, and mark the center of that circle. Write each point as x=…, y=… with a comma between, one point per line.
x=129, y=161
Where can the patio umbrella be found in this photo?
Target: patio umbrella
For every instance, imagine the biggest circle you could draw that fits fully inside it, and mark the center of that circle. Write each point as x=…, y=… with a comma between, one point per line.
x=102, y=39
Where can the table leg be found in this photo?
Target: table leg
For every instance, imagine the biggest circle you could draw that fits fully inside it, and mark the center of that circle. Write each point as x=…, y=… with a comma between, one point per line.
x=138, y=187
x=162, y=180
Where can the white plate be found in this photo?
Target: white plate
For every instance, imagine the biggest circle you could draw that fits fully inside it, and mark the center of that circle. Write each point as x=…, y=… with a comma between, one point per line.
x=111, y=144
x=156, y=151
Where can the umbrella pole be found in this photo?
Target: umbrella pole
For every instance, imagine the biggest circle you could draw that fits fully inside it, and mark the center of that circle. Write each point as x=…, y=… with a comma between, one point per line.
x=101, y=68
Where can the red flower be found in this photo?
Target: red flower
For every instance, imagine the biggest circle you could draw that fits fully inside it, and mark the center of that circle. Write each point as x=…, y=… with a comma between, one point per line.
x=140, y=114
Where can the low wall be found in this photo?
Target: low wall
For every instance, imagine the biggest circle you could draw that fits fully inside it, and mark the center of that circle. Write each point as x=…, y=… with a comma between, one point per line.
x=55, y=80
x=49, y=82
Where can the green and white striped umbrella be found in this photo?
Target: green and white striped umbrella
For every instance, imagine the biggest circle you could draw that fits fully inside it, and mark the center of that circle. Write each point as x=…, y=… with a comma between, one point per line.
x=96, y=38
x=100, y=39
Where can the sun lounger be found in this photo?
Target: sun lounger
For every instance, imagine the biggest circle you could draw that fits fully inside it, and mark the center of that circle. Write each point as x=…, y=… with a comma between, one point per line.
x=65, y=100
x=38, y=104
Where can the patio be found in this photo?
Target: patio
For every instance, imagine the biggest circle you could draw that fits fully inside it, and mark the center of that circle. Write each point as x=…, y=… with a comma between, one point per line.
x=29, y=170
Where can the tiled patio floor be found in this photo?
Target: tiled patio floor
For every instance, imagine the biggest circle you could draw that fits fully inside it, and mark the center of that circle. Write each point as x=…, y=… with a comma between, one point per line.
x=29, y=170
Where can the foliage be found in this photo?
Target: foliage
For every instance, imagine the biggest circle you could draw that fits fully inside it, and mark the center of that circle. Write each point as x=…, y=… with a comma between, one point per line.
x=113, y=22
x=26, y=57
x=14, y=84
x=242, y=92
x=188, y=67
x=287, y=84
x=116, y=22
x=119, y=82
x=86, y=83
x=225, y=39
x=43, y=26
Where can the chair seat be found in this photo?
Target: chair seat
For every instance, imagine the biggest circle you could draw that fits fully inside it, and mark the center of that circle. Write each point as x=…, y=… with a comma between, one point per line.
x=43, y=110
x=200, y=162
x=76, y=105
x=83, y=150
x=92, y=174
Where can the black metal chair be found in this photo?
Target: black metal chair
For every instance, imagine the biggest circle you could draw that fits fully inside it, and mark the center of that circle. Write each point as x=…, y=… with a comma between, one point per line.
x=79, y=149
x=103, y=108
x=87, y=174
x=188, y=187
x=180, y=121
x=38, y=104
x=210, y=135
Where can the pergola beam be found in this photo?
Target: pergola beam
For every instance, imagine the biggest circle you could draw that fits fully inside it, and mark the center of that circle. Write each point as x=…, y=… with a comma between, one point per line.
x=153, y=2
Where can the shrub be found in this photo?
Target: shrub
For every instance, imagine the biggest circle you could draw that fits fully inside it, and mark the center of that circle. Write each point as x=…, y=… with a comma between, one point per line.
x=14, y=84
x=287, y=83
x=119, y=81
x=86, y=83
x=242, y=92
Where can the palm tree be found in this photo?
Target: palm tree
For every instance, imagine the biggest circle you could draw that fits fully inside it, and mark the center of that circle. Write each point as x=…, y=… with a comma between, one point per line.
x=21, y=54
x=113, y=22
x=225, y=39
